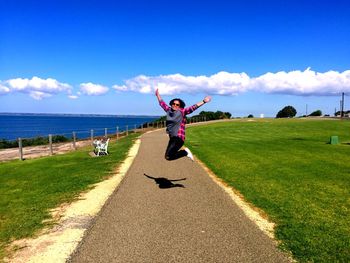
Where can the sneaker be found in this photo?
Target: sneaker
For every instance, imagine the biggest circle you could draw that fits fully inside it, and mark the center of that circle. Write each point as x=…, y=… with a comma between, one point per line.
x=189, y=154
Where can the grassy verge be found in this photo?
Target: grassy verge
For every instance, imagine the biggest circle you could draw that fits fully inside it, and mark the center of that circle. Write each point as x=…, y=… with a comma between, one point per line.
x=287, y=168
x=29, y=189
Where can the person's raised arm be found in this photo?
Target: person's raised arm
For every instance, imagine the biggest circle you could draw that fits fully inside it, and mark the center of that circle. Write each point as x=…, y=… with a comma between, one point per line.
x=205, y=100
x=161, y=102
x=158, y=95
x=197, y=105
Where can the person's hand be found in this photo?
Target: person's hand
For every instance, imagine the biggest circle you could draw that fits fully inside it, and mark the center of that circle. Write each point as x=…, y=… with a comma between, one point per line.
x=158, y=95
x=207, y=99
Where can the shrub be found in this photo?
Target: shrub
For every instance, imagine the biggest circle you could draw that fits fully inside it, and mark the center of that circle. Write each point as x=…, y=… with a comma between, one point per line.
x=4, y=144
x=287, y=112
x=209, y=115
x=7, y=144
x=316, y=113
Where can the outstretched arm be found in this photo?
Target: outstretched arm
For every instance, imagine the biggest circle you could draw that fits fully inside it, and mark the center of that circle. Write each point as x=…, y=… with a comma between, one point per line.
x=161, y=102
x=205, y=100
x=158, y=95
x=196, y=106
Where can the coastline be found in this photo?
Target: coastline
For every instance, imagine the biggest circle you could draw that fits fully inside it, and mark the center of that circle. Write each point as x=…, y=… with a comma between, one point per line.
x=33, y=125
x=76, y=115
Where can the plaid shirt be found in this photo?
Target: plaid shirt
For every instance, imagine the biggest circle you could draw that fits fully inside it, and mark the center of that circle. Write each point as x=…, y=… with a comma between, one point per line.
x=184, y=112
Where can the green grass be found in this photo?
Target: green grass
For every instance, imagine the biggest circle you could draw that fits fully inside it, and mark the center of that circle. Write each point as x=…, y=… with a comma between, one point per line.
x=288, y=169
x=29, y=189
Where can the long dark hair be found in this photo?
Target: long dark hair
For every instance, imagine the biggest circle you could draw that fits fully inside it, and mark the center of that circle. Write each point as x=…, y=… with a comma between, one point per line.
x=182, y=103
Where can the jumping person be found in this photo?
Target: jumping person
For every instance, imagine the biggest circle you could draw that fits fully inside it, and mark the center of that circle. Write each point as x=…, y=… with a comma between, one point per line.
x=175, y=123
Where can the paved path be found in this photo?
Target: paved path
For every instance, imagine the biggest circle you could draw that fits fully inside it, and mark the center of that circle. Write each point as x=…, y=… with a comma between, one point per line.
x=159, y=220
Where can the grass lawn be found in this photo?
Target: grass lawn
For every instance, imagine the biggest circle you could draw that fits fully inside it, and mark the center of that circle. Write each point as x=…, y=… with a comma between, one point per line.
x=29, y=189
x=287, y=168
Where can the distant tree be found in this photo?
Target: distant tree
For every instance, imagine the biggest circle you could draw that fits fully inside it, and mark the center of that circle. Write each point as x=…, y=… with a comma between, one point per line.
x=287, y=112
x=210, y=115
x=316, y=113
x=250, y=116
x=163, y=118
x=219, y=115
x=338, y=113
x=228, y=115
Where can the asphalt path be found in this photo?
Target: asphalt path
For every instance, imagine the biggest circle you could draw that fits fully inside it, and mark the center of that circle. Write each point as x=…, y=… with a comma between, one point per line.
x=172, y=211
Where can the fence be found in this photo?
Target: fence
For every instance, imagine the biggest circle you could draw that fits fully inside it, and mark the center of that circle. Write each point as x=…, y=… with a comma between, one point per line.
x=52, y=148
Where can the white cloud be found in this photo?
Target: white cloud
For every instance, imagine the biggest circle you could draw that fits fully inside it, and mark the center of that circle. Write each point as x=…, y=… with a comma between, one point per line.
x=221, y=83
x=303, y=83
x=73, y=97
x=38, y=95
x=92, y=89
x=3, y=89
x=306, y=82
x=36, y=87
x=39, y=88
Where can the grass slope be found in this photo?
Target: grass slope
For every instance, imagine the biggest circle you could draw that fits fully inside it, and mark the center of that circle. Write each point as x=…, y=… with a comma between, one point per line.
x=287, y=168
x=29, y=189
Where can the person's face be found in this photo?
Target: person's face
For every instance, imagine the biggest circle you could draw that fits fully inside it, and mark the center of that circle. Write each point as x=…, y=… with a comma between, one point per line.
x=175, y=105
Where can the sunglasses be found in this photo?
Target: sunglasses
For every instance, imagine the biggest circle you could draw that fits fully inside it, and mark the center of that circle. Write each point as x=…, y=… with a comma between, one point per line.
x=176, y=104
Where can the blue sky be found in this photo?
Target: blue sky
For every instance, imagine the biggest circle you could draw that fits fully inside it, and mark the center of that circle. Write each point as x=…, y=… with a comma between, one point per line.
x=106, y=57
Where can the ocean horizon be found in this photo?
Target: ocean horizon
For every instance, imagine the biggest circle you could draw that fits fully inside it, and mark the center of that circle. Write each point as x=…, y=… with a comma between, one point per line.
x=31, y=125
x=73, y=114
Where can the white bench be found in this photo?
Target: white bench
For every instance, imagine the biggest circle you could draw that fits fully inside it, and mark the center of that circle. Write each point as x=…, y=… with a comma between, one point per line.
x=101, y=147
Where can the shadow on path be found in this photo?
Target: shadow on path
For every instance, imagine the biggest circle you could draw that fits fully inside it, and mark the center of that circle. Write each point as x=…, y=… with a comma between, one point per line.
x=165, y=183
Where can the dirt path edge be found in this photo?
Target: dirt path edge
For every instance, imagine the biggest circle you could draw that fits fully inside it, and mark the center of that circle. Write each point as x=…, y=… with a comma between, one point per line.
x=60, y=242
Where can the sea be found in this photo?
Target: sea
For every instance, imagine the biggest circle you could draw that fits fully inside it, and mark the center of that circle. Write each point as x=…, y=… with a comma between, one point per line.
x=26, y=125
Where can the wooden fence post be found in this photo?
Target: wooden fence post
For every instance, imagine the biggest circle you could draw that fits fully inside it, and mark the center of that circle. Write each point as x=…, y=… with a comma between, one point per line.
x=106, y=132
x=126, y=132
x=50, y=144
x=92, y=136
x=74, y=141
x=117, y=132
x=20, y=149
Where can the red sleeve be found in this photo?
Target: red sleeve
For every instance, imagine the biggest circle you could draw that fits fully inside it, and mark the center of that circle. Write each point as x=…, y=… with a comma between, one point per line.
x=190, y=109
x=164, y=105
